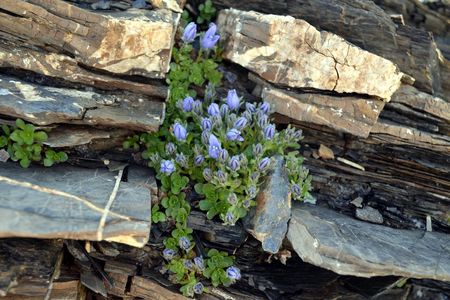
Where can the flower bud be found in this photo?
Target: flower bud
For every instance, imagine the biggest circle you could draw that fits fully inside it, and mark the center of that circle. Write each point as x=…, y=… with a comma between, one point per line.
x=170, y=148
x=248, y=115
x=250, y=107
x=205, y=137
x=229, y=218
x=179, y=132
x=198, y=288
x=252, y=192
x=199, y=159
x=184, y=243
x=199, y=263
x=189, y=33
x=223, y=156
x=233, y=273
x=296, y=190
x=155, y=158
x=169, y=254
x=188, y=104
x=232, y=199
x=217, y=121
x=265, y=107
x=206, y=124
x=214, y=146
x=269, y=132
x=262, y=120
x=240, y=123
x=221, y=176
x=213, y=109
x=234, y=164
x=197, y=107
x=264, y=164
x=246, y=204
x=210, y=92
x=207, y=174
x=233, y=100
x=224, y=110
x=234, y=135
x=181, y=160
x=257, y=149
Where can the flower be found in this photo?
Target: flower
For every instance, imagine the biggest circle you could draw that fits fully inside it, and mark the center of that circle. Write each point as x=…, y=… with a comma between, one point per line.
x=252, y=191
x=188, y=104
x=197, y=107
x=246, y=204
x=250, y=107
x=189, y=32
x=181, y=160
x=262, y=120
x=198, y=288
x=257, y=149
x=214, y=147
x=223, y=156
x=298, y=135
x=234, y=164
x=233, y=273
x=213, y=109
x=170, y=148
x=229, y=218
x=206, y=124
x=296, y=190
x=169, y=254
x=233, y=100
x=199, y=159
x=210, y=38
x=221, y=176
x=205, y=137
x=232, y=199
x=264, y=164
x=224, y=109
x=234, y=135
x=248, y=115
x=207, y=174
x=240, y=123
x=184, y=243
x=265, y=107
x=199, y=263
x=167, y=167
x=188, y=264
x=269, y=132
x=179, y=131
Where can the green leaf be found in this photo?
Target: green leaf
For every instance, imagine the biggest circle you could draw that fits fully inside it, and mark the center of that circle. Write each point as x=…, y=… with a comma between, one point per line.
x=40, y=136
x=198, y=187
x=48, y=162
x=20, y=123
x=25, y=162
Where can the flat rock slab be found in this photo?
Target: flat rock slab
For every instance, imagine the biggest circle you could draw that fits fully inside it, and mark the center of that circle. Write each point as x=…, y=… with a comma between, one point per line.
x=291, y=52
x=43, y=105
x=69, y=202
x=27, y=265
x=133, y=42
x=268, y=221
x=347, y=246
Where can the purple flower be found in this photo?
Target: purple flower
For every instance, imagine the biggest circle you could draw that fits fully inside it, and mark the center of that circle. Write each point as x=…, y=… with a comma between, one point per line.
x=269, y=132
x=234, y=135
x=265, y=107
x=206, y=124
x=188, y=264
x=233, y=100
x=207, y=174
x=240, y=123
x=189, y=33
x=246, y=204
x=213, y=109
x=250, y=107
x=198, y=288
x=262, y=120
x=214, y=147
x=169, y=254
x=257, y=149
x=197, y=107
x=199, y=159
x=167, y=167
x=234, y=163
x=296, y=190
x=224, y=109
x=188, y=104
x=181, y=160
x=205, y=137
x=184, y=243
x=180, y=132
x=199, y=263
x=233, y=273
x=232, y=199
x=229, y=217
x=223, y=156
x=170, y=148
x=210, y=38
x=264, y=164
x=221, y=176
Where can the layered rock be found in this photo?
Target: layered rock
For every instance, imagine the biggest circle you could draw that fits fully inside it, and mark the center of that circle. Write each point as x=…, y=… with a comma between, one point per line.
x=293, y=53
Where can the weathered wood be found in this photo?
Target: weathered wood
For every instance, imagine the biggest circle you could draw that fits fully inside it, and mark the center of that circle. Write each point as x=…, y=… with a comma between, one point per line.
x=346, y=246
x=366, y=25
x=135, y=42
x=292, y=53
x=43, y=105
x=27, y=265
x=69, y=202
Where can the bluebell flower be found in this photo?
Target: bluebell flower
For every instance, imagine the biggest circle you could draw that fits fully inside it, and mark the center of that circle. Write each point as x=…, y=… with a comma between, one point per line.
x=257, y=149
x=167, y=167
x=199, y=263
x=206, y=124
x=233, y=273
x=205, y=137
x=184, y=243
x=170, y=148
x=233, y=100
x=232, y=199
x=197, y=107
x=213, y=109
x=189, y=33
x=240, y=123
x=188, y=103
x=250, y=107
x=198, y=288
x=298, y=135
x=179, y=132
x=248, y=115
x=246, y=204
x=221, y=176
x=262, y=120
x=181, y=159
x=169, y=254
x=188, y=264
x=234, y=163
x=224, y=109
x=207, y=174
x=265, y=107
x=210, y=39
x=223, y=156
x=269, y=132
x=234, y=135
x=214, y=147
x=296, y=190
x=264, y=164
x=229, y=218
x=199, y=159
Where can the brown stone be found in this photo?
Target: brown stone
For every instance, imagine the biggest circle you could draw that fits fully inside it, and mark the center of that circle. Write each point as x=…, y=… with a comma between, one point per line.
x=175, y=5
x=325, y=152
x=291, y=52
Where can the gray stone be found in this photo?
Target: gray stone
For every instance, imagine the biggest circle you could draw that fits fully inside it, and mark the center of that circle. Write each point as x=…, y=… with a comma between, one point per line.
x=69, y=202
x=369, y=214
x=267, y=222
x=333, y=241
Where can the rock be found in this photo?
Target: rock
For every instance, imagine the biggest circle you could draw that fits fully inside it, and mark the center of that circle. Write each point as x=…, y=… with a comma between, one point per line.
x=133, y=42
x=291, y=52
x=357, y=202
x=43, y=105
x=350, y=114
x=267, y=222
x=70, y=202
x=175, y=5
x=147, y=288
x=347, y=246
x=369, y=214
x=4, y=155
x=325, y=152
